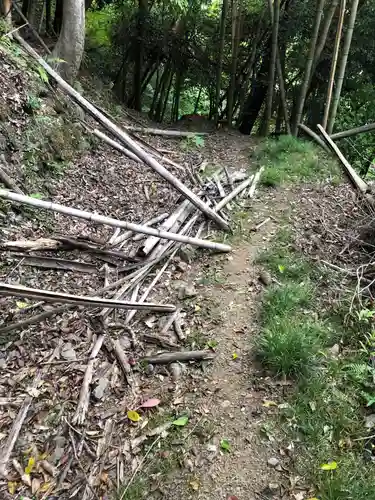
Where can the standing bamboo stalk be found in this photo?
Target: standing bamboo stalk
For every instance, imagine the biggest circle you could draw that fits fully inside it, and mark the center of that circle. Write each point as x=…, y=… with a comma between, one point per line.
x=342, y=68
x=334, y=62
x=101, y=219
x=275, y=17
x=224, y=11
x=309, y=65
x=125, y=138
x=325, y=30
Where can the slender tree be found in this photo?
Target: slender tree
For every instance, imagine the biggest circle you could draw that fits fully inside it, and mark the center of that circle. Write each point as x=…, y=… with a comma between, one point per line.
x=334, y=62
x=223, y=19
x=275, y=17
x=236, y=28
x=70, y=45
x=324, y=32
x=308, y=69
x=342, y=67
x=139, y=53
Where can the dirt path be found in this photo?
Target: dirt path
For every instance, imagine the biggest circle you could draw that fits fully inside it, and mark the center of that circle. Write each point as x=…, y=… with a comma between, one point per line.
x=230, y=400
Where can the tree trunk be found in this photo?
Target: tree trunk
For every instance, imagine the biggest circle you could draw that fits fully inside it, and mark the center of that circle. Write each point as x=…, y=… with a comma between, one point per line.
x=224, y=12
x=235, y=43
x=7, y=11
x=70, y=45
x=164, y=82
x=196, y=105
x=308, y=69
x=166, y=97
x=275, y=17
x=343, y=62
x=48, y=16
x=177, y=95
x=255, y=99
x=325, y=30
x=139, y=53
x=25, y=8
x=57, y=20
x=334, y=63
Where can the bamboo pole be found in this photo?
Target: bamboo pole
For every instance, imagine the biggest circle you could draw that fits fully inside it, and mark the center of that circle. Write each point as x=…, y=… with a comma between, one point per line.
x=163, y=132
x=325, y=30
x=334, y=63
x=101, y=219
x=353, y=131
x=352, y=174
x=114, y=144
x=342, y=68
x=125, y=138
x=274, y=7
x=309, y=64
x=79, y=300
x=314, y=136
x=233, y=194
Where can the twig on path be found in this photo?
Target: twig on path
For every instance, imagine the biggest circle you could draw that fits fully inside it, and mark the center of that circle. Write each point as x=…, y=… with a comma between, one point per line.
x=7, y=449
x=171, y=357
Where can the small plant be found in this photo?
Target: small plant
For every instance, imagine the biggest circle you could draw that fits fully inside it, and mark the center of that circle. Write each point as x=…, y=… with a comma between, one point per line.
x=192, y=142
x=33, y=103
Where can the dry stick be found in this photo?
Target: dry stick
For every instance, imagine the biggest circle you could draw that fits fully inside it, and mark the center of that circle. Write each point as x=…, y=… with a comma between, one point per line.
x=172, y=223
x=353, y=131
x=171, y=357
x=58, y=310
x=33, y=293
x=233, y=194
x=314, y=136
x=114, y=236
x=133, y=299
x=72, y=243
x=342, y=68
x=115, y=145
x=177, y=327
x=35, y=33
x=53, y=263
x=151, y=222
x=84, y=396
x=169, y=322
x=334, y=63
x=309, y=65
x=32, y=245
x=7, y=449
x=126, y=139
x=8, y=182
x=165, y=132
x=8, y=195
x=353, y=176
x=123, y=361
x=255, y=182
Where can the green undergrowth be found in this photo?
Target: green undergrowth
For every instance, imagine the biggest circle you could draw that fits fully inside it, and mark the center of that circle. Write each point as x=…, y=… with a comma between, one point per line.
x=40, y=129
x=289, y=159
x=328, y=353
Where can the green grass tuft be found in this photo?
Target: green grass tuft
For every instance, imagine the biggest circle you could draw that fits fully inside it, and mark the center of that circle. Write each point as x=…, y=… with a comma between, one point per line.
x=289, y=159
x=289, y=347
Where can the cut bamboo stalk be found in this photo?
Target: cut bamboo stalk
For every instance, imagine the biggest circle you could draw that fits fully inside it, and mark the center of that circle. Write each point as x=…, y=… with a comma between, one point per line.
x=84, y=395
x=123, y=361
x=53, y=263
x=169, y=321
x=353, y=131
x=125, y=138
x=314, y=136
x=163, y=132
x=255, y=182
x=171, y=224
x=115, y=145
x=66, y=298
x=233, y=194
x=114, y=236
x=8, y=195
x=352, y=174
x=171, y=357
x=119, y=239
x=133, y=299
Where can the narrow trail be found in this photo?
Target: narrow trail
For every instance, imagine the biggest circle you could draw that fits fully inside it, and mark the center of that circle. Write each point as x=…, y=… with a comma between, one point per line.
x=231, y=398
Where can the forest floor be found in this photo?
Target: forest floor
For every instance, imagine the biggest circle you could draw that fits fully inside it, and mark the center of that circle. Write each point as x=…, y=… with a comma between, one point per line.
x=280, y=412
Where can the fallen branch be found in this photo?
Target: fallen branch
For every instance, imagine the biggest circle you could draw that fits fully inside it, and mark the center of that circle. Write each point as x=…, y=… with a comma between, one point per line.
x=352, y=174
x=7, y=449
x=8, y=182
x=125, y=138
x=171, y=357
x=353, y=131
x=314, y=136
x=121, y=238
x=232, y=194
x=255, y=182
x=72, y=244
x=177, y=327
x=31, y=245
x=52, y=263
x=115, y=145
x=33, y=293
x=162, y=342
x=110, y=221
x=164, y=132
x=123, y=361
x=84, y=396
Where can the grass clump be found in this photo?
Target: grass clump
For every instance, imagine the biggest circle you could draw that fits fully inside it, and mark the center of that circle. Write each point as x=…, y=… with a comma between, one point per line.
x=334, y=391
x=292, y=159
